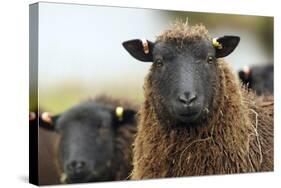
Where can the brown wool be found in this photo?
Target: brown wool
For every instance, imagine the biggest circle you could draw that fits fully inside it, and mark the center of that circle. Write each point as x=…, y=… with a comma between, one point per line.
x=182, y=31
x=238, y=137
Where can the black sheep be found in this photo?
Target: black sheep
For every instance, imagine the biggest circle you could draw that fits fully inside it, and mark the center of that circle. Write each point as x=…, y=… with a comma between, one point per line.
x=96, y=139
x=258, y=78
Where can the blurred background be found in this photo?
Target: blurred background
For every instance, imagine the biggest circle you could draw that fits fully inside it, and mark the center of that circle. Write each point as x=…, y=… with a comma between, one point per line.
x=81, y=56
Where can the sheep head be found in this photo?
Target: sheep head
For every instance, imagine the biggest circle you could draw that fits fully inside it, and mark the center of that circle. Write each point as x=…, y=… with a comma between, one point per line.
x=184, y=75
x=87, y=137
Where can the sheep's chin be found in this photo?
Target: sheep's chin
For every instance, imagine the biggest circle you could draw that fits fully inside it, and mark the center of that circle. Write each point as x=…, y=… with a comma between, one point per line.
x=192, y=121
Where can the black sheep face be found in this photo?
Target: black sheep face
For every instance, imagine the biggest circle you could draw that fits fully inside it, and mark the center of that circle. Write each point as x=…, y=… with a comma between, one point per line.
x=183, y=76
x=86, y=148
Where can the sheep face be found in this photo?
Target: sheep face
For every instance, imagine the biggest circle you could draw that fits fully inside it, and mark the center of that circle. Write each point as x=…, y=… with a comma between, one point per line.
x=86, y=148
x=184, y=78
x=86, y=145
x=184, y=75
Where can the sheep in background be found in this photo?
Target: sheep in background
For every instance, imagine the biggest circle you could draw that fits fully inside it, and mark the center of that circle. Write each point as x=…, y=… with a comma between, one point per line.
x=96, y=140
x=47, y=168
x=259, y=78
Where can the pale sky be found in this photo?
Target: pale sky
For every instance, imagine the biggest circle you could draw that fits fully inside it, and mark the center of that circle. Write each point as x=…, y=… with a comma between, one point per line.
x=80, y=42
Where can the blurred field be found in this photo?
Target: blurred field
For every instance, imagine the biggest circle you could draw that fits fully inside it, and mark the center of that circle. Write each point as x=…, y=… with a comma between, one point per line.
x=260, y=26
x=65, y=95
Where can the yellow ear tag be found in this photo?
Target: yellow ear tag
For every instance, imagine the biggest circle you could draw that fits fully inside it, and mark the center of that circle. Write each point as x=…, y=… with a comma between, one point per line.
x=216, y=44
x=119, y=111
x=145, y=46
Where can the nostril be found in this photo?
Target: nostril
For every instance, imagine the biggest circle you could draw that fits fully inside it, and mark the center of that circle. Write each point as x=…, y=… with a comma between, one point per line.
x=183, y=99
x=187, y=98
x=76, y=167
x=80, y=165
x=192, y=98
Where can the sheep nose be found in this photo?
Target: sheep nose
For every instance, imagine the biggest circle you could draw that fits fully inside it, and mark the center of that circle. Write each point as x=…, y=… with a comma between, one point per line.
x=187, y=98
x=76, y=167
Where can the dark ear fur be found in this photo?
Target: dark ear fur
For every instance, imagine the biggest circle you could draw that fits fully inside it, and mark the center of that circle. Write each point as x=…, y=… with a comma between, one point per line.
x=135, y=48
x=229, y=43
x=34, y=119
x=50, y=126
x=129, y=116
x=244, y=77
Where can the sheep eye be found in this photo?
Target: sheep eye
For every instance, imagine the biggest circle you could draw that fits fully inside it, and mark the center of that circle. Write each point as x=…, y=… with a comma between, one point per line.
x=210, y=59
x=159, y=62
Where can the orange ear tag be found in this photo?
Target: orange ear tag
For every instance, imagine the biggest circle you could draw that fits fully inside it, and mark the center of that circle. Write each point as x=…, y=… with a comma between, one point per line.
x=47, y=117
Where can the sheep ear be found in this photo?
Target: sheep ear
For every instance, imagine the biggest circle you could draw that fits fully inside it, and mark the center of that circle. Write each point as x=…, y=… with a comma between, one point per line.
x=140, y=49
x=48, y=121
x=245, y=75
x=122, y=116
x=225, y=45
